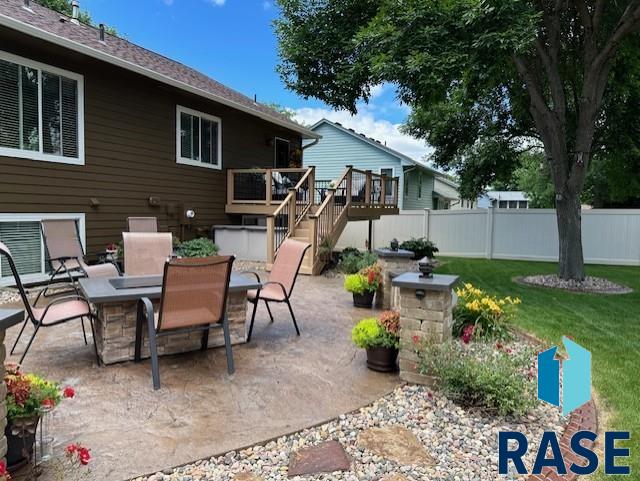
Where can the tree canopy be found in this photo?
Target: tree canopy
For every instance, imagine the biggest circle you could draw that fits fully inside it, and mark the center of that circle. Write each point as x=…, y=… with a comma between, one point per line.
x=486, y=80
x=64, y=7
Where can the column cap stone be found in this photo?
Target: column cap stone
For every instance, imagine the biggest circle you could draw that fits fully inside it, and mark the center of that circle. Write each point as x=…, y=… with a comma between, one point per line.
x=412, y=280
x=10, y=317
x=386, y=252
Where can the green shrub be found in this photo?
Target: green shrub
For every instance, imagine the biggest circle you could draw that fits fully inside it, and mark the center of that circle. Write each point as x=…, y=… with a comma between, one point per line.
x=201, y=247
x=355, y=283
x=481, y=375
x=369, y=334
x=352, y=260
x=489, y=315
x=420, y=248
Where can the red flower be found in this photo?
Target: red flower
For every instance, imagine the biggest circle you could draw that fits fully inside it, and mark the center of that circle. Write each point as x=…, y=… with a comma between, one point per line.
x=49, y=403
x=416, y=339
x=72, y=448
x=84, y=456
x=372, y=277
x=508, y=351
x=430, y=395
x=498, y=345
x=467, y=333
x=68, y=392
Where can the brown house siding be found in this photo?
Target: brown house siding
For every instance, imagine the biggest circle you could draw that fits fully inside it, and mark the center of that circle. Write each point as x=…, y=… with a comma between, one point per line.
x=130, y=153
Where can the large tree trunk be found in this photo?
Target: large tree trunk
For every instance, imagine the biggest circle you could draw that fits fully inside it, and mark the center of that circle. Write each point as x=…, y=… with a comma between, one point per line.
x=569, y=216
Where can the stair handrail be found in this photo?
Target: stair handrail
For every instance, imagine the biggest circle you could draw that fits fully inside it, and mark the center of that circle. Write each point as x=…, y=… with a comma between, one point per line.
x=282, y=223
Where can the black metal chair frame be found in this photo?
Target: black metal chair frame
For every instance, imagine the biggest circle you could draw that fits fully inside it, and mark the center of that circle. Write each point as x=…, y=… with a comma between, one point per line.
x=145, y=313
x=63, y=270
x=38, y=323
x=286, y=300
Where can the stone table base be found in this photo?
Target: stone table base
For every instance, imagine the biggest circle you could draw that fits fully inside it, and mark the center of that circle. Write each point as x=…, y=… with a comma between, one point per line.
x=116, y=331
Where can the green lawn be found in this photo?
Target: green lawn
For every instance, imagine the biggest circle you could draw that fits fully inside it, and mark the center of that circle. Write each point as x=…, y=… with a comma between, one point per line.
x=609, y=326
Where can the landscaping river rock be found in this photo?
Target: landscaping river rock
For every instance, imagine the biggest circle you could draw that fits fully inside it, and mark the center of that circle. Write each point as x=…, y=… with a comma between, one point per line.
x=442, y=442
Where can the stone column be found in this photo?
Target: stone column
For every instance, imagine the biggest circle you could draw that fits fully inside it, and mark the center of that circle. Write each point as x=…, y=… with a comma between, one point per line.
x=393, y=263
x=8, y=318
x=426, y=306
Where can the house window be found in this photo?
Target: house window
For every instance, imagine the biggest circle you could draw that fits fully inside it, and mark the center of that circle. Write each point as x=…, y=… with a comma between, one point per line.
x=523, y=204
x=41, y=111
x=503, y=204
x=198, y=139
x=419, y=185
x=22, y=235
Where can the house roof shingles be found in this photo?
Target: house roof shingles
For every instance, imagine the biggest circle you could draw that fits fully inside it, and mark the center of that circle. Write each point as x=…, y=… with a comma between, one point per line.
x=49, y=25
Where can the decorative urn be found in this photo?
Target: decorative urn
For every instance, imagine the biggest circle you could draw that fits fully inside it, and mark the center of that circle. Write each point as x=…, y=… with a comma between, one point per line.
x=426, y=266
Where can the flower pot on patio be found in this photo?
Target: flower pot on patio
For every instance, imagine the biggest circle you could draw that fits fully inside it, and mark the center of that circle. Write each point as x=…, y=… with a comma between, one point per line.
x=382, y=359
x=363, y=300
x=21, y=437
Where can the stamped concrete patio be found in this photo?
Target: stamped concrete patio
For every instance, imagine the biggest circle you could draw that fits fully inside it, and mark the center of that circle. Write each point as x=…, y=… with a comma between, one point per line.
x=282, y=383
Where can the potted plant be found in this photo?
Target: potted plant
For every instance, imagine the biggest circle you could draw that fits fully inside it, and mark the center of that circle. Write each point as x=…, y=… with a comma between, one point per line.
x=420, y=248
x=380, y=338
x=29, y=397
x=364, y=285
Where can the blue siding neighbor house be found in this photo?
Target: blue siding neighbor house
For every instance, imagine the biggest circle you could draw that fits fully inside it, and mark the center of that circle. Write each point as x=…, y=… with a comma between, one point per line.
x=340, y=146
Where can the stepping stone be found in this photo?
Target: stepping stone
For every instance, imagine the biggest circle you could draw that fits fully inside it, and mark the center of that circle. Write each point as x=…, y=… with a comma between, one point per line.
x=394, y=477
x=323, y=458
x=396, y=444
x=246, y=477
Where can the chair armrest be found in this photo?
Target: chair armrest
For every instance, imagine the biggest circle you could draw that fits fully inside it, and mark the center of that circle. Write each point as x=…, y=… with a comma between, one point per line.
x=145, y=306
x=63, y=299
x=284, y=291
x=252, y=273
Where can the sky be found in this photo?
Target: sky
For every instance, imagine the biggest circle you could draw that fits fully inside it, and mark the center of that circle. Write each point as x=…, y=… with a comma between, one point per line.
x=233, y=42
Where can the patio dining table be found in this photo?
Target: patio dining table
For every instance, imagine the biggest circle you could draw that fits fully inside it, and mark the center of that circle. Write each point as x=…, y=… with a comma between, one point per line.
x=115, y=303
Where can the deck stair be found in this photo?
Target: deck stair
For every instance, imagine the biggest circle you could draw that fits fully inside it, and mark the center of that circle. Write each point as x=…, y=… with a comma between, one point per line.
x=313, y=211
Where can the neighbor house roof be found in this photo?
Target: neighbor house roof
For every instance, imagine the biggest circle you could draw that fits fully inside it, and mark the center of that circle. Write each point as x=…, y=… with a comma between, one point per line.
x=376, y=143
x=48, y=25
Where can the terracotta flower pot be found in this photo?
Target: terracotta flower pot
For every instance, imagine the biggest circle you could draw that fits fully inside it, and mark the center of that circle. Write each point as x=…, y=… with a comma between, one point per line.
x=363, y=300
x=21, y=437
x=382, y=359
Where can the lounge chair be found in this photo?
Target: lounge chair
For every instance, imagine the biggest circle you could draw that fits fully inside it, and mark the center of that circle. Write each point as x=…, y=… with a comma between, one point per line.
x=146, y=253
x=142, y=224
x=59, y=310
x=65, y=254
x=282, y=279
x=194, y=298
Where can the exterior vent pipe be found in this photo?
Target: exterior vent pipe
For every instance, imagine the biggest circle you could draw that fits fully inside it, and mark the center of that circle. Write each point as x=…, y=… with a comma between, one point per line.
x=102, y=32
x=75, y=11
x=27, y=4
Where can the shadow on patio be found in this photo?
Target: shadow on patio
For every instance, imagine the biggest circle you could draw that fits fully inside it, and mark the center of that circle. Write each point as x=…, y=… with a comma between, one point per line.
x=282, y=383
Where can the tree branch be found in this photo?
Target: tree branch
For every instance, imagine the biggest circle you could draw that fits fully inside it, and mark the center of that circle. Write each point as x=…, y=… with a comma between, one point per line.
x=629, y=20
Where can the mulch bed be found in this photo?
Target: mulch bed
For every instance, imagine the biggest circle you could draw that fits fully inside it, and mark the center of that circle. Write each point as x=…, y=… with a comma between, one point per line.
x=590, y=285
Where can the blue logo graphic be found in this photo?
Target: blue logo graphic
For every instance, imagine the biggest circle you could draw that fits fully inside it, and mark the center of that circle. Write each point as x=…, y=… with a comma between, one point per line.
x=576, y=377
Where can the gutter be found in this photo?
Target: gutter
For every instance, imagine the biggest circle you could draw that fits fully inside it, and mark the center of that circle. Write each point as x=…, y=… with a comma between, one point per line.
x=127, y=65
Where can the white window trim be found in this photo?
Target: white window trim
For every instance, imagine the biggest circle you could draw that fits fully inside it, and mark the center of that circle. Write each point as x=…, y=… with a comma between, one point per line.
x=196, y=163
x=41, y=156
x=31, y=217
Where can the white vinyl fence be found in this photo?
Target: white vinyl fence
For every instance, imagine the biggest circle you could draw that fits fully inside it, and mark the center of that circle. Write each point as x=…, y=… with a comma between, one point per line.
x=609, y=236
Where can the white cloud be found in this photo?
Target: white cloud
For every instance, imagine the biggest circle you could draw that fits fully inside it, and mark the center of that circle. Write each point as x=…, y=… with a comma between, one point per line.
x=266, y=5
x=168, y=3
x=217, y=3
x=365, y=122
x=377, y=90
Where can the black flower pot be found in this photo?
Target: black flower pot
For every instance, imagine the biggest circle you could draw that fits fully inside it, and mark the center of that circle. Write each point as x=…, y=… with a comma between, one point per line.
x=363, y=300
x=382, y=359
x=21, y=437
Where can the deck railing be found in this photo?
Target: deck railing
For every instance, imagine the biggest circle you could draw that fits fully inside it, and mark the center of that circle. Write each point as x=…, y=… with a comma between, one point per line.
x=261, y=186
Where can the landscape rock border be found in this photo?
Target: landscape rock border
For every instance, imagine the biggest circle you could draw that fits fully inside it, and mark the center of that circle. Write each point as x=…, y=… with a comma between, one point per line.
x=591, y=285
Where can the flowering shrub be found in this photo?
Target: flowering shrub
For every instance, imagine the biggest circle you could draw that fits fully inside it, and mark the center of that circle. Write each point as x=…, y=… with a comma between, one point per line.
x=371, y=333
x=367, y=280
x=488, y=315
x=482, y=375
x=74, y=464
x=27, y=393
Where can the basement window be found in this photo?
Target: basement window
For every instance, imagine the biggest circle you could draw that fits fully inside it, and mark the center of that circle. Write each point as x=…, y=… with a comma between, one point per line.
x=41, y=111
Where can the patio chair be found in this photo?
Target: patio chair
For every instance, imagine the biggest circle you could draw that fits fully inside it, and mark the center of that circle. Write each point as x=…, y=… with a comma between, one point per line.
x=66, y=256
x=58, y=311
x=145, y=253
x=282, y=279
x=142, y=224
x=194, y=298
